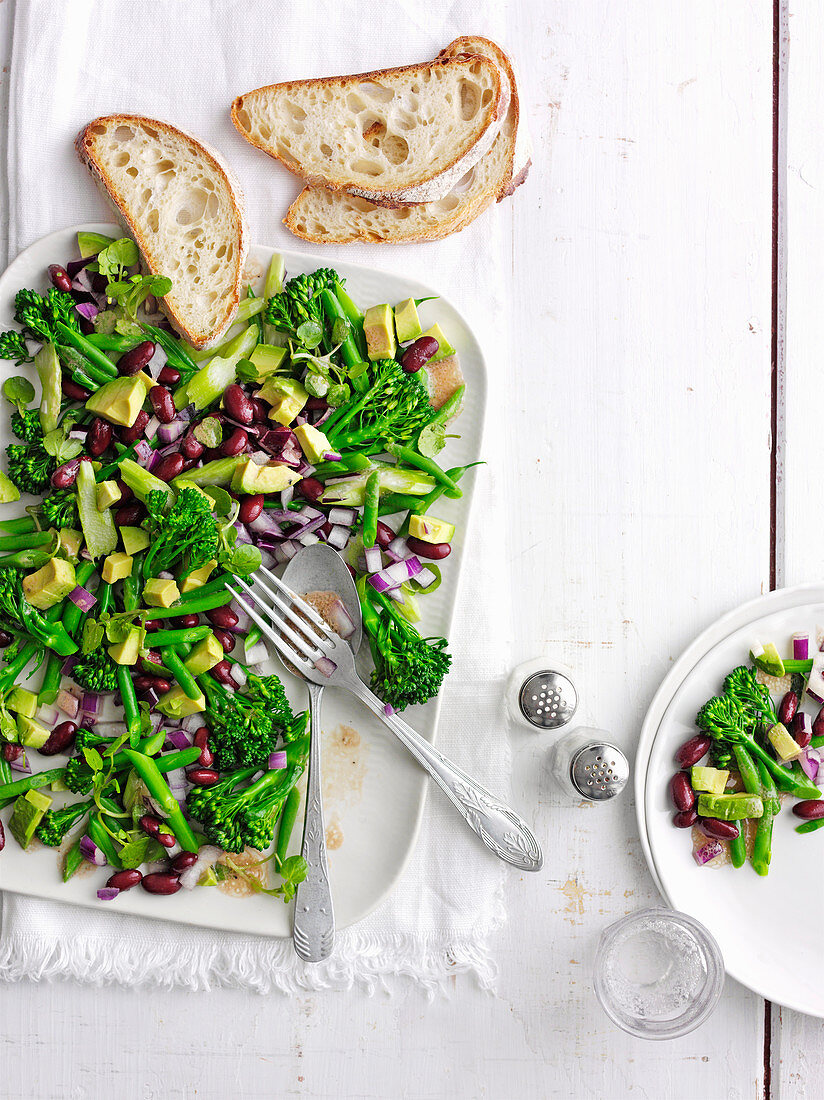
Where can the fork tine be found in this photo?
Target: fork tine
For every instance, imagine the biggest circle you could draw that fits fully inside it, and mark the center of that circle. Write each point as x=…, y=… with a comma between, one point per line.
x=293, y=657
x=321, y=642
x=302, y=645
x=304, y=606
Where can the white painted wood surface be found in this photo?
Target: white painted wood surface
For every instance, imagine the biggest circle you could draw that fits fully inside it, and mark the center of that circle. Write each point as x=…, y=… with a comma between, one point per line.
x=638, y=271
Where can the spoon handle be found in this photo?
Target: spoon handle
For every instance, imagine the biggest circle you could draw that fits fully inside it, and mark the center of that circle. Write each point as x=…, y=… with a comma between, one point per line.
x=313, y=930
x=502, y=830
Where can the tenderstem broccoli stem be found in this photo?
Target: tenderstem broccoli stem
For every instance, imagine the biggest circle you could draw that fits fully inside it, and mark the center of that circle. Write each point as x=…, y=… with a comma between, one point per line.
x=131, y=584
x=427, y=465
x=353, y=316
x=110, y=342
x=72, y=614
x=50, y=684
x=287, y=824
x=158, y=788
x=181, y=674
x=349, y=350
x=370, y=509
x=20, y=526
x=14, y=669
x=353, y=463
x=104, y=596
x=10, y=791
x=25, y=541
x=449, y=407
x=131, y=711
x=5, y=770
x=762, y=843
x=162, y=639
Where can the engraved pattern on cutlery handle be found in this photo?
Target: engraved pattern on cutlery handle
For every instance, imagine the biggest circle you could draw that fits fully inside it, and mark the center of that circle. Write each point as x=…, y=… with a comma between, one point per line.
x=313, y=930
x=501, y=829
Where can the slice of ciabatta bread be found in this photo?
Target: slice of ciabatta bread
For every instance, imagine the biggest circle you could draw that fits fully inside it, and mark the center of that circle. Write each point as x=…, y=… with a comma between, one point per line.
x=184, y=208
x=329, y=217
x=393, y=137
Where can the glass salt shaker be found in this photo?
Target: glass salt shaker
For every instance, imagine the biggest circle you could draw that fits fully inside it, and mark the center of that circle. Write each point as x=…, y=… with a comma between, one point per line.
x=586, y=765
x=541, y=695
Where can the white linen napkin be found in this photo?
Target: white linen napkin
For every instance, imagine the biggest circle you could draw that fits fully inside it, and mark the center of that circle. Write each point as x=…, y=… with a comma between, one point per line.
x=184, y=61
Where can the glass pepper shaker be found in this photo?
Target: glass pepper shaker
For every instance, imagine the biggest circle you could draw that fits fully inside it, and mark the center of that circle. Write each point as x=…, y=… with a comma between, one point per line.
x=586, y=765
x=541, y=695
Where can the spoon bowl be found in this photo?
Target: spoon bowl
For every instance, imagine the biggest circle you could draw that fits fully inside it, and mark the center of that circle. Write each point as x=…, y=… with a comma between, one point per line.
x=320, y=568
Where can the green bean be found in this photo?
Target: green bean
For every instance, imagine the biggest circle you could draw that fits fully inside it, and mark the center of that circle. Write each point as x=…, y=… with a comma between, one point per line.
x=131, y=584
x=104, y=596
x=72, y=614
x=397, y=502
x=287, y=824
x=448, y=408
x=99, y=835
x=25, y=541
x=50, y=684
x=94, y=356
x=74, y=858
x=20, y=526
x=162, y=638
x=810, y=826
x=427, y=465
x=738, y=849
x=131, y=711
x=817, y=742
x=351, y=463
x=370, y=509
x=82, y=379
x=354, y=317
x=5, y=770
x=423, y=504
x=762, y=843
x=180, y=672
x=253, y=634
x=10, y=791
x=12, y=670
x=110, y=342
x=349, y=350
x=148, y=771
x=207, y=602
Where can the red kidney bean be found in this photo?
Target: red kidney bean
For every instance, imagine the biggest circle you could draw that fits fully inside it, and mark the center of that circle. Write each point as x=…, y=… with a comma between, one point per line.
x=73, y=391
x=250, y=508
x=183, y=860
x=169, y=376
x=788, y=707
x=191, y=447
x=183, y=622
x=11, y=752
x=352, y=572
x=66, y=475
x=130, y=515
x=810, y=809
x=165, y=838
x=685, y=819
x=125, y=492
x=801, y=736
x=150, y=625
x=385, y=535
x=60, y=277
x=235, y=443
x=316, y=403
x=161, y=685
x=169, y=466
x=203, y=777
x=223, y=617
x=206, y=758
x=222, y=672
x=99, y=436
x=59, y=739
x=818, y=723
x=163, y=404
x=260, y=410
x=237, y=404
x=719, y=830
x=161, y=882
x=130, y=435
x=419, y=353
x=693, y=750
x=435, y=551
x=681, y=793
x=211, y=453
x=124, y=880
x=143, y=682
x=86, y=326
x=150, y=825
x=5, y=639
x=309, y=488
x=226, y=639
x=134, y=360
x=201, y=737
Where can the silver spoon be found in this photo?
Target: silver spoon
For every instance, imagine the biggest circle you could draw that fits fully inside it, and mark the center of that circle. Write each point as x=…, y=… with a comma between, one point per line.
x=313, y=929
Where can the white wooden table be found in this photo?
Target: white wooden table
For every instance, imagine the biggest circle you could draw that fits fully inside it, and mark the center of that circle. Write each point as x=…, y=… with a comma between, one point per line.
x=659, y=441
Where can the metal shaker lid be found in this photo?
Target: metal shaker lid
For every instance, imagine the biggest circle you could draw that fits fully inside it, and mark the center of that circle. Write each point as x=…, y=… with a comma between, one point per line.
x=599, y=771
x=548, y=699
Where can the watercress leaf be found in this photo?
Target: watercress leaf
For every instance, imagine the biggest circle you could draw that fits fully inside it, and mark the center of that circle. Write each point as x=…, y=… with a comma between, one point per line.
x=431, y=298
x=293, y=872
x=358, y=369
x=310, y=334
x=93, y=759
x=8, y=726
x=209, y=432
x=247, y=371
x=19, y=391
x=337, y=395
x=432, y=440
x=118, y=289
x=222, y=501
x=92, y=637
x=133, y=852
x=316, y=385
x=115, y=257
x=105, y=321
x=340, y=330
x=245, y=559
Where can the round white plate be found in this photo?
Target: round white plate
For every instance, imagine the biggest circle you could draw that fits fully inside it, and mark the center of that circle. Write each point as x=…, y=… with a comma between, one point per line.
x=374, y=792
x=769, y=929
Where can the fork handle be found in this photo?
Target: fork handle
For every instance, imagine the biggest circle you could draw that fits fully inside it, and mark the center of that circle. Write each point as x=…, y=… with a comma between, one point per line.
x=502, y=830
x=313, y=930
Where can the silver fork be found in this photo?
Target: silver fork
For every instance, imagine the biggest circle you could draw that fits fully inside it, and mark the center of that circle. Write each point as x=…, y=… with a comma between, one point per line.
x=500, y=828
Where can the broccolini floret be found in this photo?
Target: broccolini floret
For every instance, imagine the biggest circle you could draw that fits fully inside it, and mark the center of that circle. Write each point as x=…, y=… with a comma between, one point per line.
x=394, y=409
x=95, y=671
x=183, y=538
x=248, y=725
x=18, y=616
x=59, y=509
x=56, y=823
x=298, y=302
x=26, y=425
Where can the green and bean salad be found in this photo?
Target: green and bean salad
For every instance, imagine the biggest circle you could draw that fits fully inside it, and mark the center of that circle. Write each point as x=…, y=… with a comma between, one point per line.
x=155, y=474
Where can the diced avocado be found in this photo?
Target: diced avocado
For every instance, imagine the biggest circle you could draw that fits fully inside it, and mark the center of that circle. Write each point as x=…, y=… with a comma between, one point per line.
x=204, y=655
x=161, y=593
x=58, y=785
x=29, y=810
x=33, y=734
x=407, y=322
x=286, y=396
x=127, y=651
x=313, y=442
x=108, y=493
x=711, y=780
x=134, y=539
x=251, y=478
x=428, y=529
x=177, y=704
x=117, y=566
x=22, y=701
x=217, y=472
x=99, y=530
x=730, y=807
x=70, y=542
x=784, y=745
x=92, y=243
x=444, y=347
x=120, y=400
x=767, y=658
x=8, y=490
x=379, y=330
x=267, y=358
x=198, y=577
x=208, y=878
x=50, y=584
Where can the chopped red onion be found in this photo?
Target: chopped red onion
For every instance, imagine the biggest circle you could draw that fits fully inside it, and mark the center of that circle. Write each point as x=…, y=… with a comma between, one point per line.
x=373, y=559
x=338, y=537
x=68, y=665
x=388, y=709
x=308, y=512
x=68, y=703
x=260, y=458
x=243, y=535
x=395, y=594
x=48, y=715
x=87, y=309
x=82, y=598
x=157, y=362
x=810, y=762
x=78, y=434
x=331, y=456
x=90, y=703
x=289, y=548
x=143, y=454
x=397, y=549
x=309, y=539
x=707, y=852
x=257, y=653
x=801, y=647
x=394, y=575
x=286, y=496
x=74, y=266
x=239, y=675
x=324, y=666
x=179, y=738
x=190, y=412
x=177, y=781
x=192, y=722
x=277, y=760
x=425, y=577
x=21, y=764
x=267, y=524
x=267, y=558
x=207, y=857
x=339, y=618
x=89, y=851
x=243, y=619
x=310, y=527
x=344, y=517
x=168, y=433
x=107, y=893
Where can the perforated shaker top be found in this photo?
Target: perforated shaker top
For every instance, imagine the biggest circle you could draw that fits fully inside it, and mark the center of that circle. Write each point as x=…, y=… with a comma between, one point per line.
x=548, y=699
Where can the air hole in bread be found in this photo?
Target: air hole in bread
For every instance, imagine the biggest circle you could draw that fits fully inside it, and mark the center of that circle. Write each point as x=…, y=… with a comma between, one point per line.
x=486, y=97
x=296, y=113
x=366, y=167
x=151, y=133
x=243, y=119
x=326, y=149
x=355, y=103
x=376, y=92
x=98, y=130
x=121, y=158
x=470, y=99
x=212, y=206
x=264, y=131
x=372, y=127
x=395, y=149
x=122, y=133
x=221, y=252
x=132, y=171
x=153, y=220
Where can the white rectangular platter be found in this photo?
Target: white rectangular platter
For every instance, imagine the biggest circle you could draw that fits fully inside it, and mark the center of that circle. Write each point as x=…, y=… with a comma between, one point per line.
x=374, y=792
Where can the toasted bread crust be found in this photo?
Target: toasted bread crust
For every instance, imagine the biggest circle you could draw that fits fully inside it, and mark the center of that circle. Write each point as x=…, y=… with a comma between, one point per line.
x=83, y=145
x=426, y=189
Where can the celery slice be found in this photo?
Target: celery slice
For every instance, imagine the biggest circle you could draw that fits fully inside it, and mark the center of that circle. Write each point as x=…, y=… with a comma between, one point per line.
x=99, y=529
x=48, y=370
